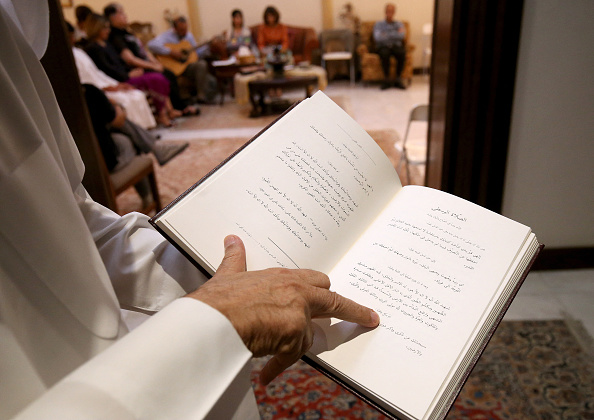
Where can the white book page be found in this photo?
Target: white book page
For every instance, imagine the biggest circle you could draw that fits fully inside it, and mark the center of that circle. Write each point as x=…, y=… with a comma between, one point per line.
x=298, y=196
x=429, y=266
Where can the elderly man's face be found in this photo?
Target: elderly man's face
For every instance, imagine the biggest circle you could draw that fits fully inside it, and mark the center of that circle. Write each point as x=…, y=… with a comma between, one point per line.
x=390, y=12
x=181, y=28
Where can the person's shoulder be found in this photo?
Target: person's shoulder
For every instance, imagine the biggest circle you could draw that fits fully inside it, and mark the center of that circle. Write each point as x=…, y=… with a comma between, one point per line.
x=159, y=37
x=92, y=47
x=168, y=33
x=116, y=31
x=114, y=35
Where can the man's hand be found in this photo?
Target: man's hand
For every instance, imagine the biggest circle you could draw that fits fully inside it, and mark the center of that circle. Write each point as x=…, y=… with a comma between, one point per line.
x=272, y=309
x=176, y=54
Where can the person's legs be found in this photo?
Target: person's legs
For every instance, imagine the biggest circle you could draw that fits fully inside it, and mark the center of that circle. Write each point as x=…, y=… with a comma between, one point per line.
x=174, y=94
x=384, y=54
x=158, y=88
x=400, y=54
x=197, y=72
x=146, y=143
x=140, y=137
x=126, y=152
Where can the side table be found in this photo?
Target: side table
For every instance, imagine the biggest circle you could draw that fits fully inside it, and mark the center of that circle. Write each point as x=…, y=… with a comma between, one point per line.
x=259, y=88
x=225, y=74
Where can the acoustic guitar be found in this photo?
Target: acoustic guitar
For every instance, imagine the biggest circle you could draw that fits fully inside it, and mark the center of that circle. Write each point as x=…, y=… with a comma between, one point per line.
x=189, y=56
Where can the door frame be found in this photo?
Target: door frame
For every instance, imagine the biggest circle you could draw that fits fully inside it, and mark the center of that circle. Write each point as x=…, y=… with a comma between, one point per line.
x=473, y=69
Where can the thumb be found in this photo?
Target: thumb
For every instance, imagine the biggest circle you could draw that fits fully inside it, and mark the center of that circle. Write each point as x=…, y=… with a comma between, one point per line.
x=234, y=259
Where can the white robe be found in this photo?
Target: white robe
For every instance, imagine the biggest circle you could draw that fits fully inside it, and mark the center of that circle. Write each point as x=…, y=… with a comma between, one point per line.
x=137, y=107
x=67, y=263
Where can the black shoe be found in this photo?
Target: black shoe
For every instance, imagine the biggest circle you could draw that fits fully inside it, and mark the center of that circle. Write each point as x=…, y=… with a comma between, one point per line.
x=191, y=110
x=202, y=101
x=164, y=152
x=385, y=85
x=398, y=84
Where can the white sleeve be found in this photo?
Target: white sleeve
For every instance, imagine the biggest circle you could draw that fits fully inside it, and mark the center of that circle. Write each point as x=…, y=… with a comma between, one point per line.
x=146, y=271
x=176, y=365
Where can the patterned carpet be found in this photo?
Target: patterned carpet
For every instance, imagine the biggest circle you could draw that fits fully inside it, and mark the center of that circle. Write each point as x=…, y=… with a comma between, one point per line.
x=529, y=370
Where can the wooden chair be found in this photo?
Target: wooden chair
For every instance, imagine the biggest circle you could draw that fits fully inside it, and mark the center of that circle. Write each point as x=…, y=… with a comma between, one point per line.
x=140, y=167
x=102, y=186
x=143, y=30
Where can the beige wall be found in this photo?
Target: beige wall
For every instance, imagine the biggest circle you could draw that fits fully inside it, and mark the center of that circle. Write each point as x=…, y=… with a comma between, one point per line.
x=216, y=15
x=209, y=18
x=417, y=12
x=140, y=10
x=550, y=175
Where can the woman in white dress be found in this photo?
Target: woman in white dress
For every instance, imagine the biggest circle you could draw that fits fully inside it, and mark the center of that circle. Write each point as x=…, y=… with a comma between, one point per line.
x=133, y=100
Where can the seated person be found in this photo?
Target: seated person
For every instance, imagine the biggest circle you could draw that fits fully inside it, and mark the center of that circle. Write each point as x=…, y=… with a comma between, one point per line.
x=109, y=61
x=239, y=34
x=389, y=37
x=120, y=139
x=179, y=44
x=131, y=50
x=134, y=100
x=272, y=33
x=82, y=12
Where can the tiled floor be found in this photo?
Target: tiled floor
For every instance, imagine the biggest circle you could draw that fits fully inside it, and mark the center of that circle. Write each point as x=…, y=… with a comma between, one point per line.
x=567, y=294
x=544, y=295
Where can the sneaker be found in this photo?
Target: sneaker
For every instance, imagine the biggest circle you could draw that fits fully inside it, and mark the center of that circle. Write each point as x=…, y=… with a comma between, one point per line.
x=164, y=152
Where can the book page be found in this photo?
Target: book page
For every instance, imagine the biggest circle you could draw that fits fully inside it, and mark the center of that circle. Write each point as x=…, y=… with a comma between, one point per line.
x=429, y=266
x=298, y=196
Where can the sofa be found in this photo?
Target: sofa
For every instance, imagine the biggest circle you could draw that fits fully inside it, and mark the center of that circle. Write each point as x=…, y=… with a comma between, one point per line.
x=303, y=42
x=370, y=63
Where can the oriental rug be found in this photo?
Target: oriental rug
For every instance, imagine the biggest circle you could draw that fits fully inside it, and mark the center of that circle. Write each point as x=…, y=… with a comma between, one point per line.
x=529, y=370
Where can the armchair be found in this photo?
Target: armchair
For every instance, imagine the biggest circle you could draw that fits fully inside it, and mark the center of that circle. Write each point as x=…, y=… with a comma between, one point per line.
x=371, y=66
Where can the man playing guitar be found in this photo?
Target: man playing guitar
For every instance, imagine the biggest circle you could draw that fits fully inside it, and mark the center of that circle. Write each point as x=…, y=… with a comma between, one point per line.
x=176, y=50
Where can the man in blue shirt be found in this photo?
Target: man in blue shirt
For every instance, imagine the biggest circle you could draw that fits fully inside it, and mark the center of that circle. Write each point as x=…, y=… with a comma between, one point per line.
x=389, y=37
x=179, y=45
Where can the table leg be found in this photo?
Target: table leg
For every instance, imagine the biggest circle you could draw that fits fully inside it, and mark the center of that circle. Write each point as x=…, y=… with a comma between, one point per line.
x=221, y=85
x=257, y=105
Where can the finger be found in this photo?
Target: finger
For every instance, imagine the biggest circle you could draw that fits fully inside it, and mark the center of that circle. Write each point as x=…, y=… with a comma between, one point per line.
x=324, y=303
x=234, y=259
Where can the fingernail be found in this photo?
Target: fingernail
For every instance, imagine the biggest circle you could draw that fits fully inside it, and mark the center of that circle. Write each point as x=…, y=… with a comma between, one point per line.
x=375, y=318
x=230, y=241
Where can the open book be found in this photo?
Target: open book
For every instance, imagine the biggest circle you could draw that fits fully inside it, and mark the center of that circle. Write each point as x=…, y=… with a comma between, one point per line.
x=314, y=190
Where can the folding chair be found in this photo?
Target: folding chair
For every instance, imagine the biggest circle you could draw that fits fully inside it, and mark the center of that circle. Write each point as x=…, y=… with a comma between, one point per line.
x=418, y=113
